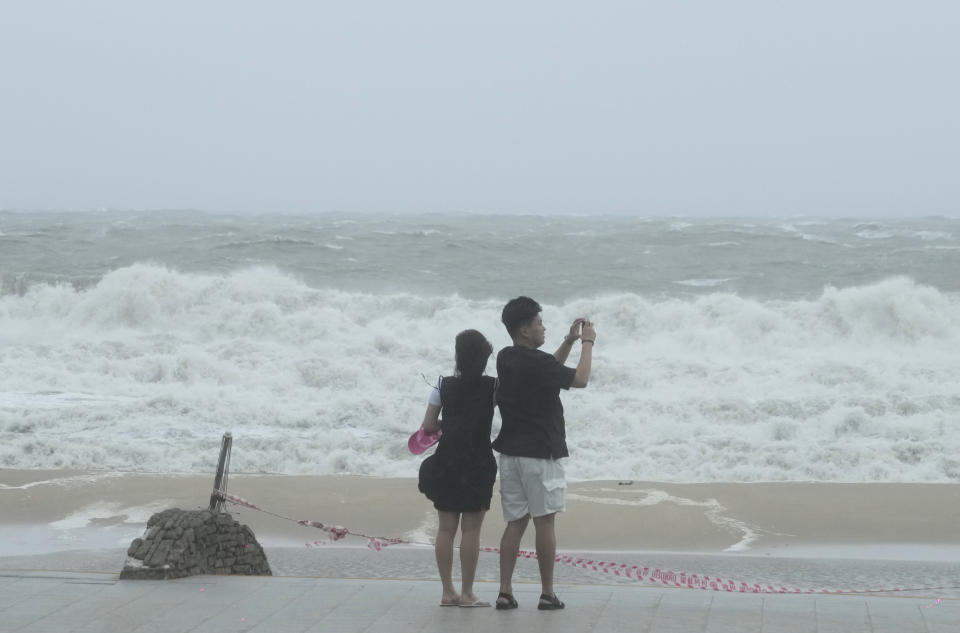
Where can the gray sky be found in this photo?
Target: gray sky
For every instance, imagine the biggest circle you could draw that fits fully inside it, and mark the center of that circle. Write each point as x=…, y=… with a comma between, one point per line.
x=714, y=108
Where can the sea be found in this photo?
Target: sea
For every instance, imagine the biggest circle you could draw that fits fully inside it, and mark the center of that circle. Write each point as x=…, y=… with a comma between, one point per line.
x=788, y=349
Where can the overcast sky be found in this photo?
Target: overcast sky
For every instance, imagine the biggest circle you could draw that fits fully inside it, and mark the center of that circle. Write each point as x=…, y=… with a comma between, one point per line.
x=665, y=107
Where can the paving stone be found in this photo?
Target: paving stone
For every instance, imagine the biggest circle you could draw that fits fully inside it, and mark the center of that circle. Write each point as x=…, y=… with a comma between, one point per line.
x=39, y=602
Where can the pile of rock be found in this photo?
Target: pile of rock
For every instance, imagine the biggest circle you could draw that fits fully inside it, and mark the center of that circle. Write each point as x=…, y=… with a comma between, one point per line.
x=181, y=543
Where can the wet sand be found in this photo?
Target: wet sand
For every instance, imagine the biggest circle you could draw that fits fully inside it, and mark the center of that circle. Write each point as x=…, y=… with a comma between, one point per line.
x=820, y=536
x=896, y=520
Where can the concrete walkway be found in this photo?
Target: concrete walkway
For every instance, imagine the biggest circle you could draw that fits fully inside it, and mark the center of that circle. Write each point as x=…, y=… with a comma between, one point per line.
x=57, y=602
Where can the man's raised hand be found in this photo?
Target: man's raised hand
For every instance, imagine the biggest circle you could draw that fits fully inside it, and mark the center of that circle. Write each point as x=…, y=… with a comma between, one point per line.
x=574, y=333
x=588, y=333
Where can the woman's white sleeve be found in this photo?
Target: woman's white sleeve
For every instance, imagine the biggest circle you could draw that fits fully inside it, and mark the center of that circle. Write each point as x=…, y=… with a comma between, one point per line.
x=435, y=395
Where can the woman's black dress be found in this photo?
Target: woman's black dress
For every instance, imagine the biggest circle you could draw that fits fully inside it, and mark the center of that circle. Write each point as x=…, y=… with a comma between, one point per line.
x=459, y=476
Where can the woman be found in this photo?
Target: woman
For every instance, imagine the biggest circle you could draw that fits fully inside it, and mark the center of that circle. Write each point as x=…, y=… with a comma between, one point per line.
x=459, y=476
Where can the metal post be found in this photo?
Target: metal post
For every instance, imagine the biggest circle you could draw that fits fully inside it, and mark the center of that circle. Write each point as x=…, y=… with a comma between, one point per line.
x=216, y=502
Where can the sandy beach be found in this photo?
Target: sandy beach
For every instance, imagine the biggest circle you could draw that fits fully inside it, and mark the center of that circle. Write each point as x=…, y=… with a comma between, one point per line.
x=874, y=542
x=46, y=511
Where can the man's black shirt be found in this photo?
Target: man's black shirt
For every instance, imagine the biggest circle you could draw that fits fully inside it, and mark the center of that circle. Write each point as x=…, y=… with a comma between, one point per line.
x=529, y=401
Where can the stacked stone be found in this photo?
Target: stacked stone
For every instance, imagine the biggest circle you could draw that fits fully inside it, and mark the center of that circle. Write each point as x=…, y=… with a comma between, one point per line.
x=180, y=543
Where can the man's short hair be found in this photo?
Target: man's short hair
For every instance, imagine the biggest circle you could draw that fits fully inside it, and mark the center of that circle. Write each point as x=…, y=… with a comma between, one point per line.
x=518, y=312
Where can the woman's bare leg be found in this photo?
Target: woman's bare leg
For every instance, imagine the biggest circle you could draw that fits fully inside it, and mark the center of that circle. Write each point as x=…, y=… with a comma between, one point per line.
x=443, y=548
x=469, y=552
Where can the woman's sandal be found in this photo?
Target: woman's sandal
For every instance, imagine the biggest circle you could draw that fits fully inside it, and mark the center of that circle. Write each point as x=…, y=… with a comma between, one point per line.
x=511, y=602
x=549, y=603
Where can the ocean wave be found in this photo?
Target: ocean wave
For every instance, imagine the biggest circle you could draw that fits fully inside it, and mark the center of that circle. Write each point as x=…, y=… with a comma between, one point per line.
x=703, y=283
x=273, y=242
x=147, y=368
x=878, y=234
x=929, y=236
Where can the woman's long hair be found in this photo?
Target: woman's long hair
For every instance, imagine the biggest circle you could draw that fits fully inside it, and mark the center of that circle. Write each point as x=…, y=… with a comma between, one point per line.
x=473, y=350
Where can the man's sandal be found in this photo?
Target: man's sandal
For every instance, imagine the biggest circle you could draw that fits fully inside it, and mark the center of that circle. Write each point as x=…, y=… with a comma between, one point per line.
x=511, y=602
x=549, y=603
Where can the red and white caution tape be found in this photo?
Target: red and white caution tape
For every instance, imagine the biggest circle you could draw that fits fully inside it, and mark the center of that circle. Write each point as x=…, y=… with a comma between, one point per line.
x=336, y=532
x=671, y=578
x=655, y=575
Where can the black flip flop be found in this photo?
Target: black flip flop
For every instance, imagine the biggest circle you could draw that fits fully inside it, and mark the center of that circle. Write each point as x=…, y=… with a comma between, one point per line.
x=511, y=602
x=549, y=603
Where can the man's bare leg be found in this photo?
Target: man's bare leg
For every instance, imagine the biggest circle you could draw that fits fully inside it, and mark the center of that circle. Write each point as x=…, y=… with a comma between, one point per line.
x=546, y=550
x=509, y=546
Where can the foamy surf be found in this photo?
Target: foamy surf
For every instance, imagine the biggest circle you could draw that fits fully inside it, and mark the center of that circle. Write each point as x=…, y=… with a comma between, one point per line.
x=146, y=369
x=714, y=511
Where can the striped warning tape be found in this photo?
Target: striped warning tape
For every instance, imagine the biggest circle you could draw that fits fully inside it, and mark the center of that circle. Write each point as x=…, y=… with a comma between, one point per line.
x=336, y=532
x=654, y=575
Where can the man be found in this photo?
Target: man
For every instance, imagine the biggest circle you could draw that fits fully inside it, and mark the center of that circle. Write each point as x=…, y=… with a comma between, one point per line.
x=532, y=440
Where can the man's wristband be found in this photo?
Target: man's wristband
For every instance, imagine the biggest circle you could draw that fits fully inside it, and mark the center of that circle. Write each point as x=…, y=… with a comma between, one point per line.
x=587, y=340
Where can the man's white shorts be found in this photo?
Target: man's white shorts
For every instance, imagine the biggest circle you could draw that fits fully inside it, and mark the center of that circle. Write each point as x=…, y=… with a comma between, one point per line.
x=533, y=486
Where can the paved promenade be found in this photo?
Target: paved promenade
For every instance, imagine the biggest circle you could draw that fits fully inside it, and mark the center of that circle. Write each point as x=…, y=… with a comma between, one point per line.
x=57, y=602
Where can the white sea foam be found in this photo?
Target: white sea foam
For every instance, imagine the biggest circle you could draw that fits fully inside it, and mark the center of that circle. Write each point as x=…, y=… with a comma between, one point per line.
x=103, y=513
x=66, y=482
x=713, y=511
x=703, y=283
x=874, y=231
x=821, y=239
x=426, y=532
x=933, y=235
x=875, y=234
x=146, y=369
